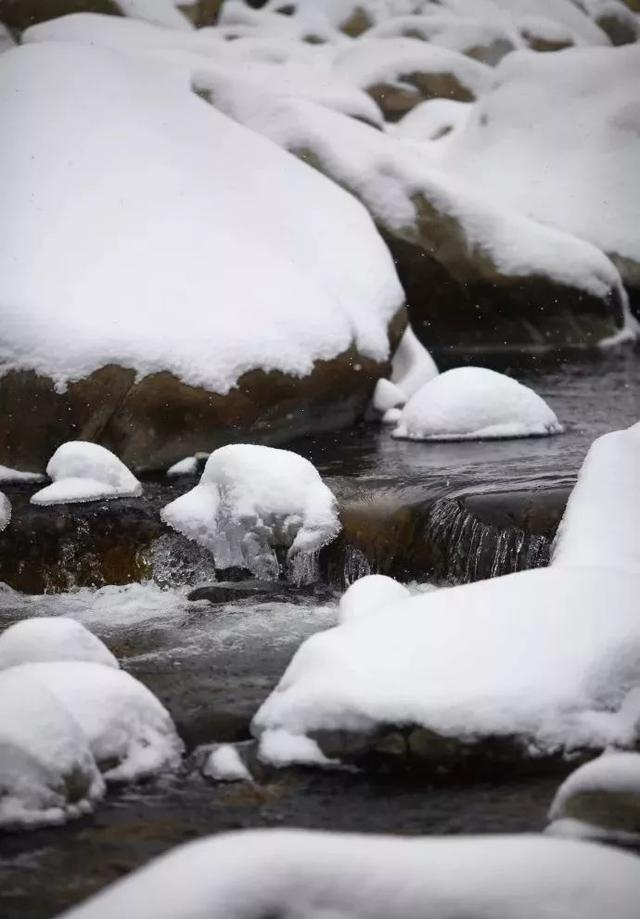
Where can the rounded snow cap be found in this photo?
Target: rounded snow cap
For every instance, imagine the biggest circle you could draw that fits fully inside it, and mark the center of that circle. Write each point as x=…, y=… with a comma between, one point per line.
x=51, y=638
x=83, y=471
x=369, y=594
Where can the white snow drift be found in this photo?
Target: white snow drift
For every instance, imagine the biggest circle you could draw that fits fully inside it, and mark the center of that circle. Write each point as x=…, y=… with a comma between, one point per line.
x=83, y=471
x=51, y=638
x=549, y=656
x=473, y=403
x=47, y=772
x=293, y=873
x=130, y=733
x=189, y=229
x=251, y=500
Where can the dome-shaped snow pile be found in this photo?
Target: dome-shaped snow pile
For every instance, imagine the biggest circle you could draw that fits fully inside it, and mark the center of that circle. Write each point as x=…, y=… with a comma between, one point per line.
x=368, y=594
x=51, y=638
x=83, y=472
x=47, y=771
x=65, y=721
x=472, y=403
x=252, y=500
x=5, y=511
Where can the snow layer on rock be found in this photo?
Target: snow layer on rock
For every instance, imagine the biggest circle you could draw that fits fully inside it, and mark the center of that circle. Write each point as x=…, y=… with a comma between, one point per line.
x=432, y=119
x=411, y=366
x=51, y=638
x=189, y=209
x=577, y=110
x=6, y=39
x=388, y=177
x=83, y=471
x=489, y=41
x=369, y=594
x=5, y=512
x=369, y=61
x=600, y=523
x=387, y=395
x=618, y=773
x=130, y=733
x=473, y=403
x=16, y=476
x=47, y=772
x=161, y=12
x=225, y=765
x=548, y=655
x=186, y=466
x=252, y=499
x=280, y=749
x=249, y=875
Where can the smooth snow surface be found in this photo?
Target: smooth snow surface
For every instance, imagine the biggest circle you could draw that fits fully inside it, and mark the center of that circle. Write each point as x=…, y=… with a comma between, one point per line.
x=175, y=213
x=304, y=875
x=225, y=765
x=473, y=403
x=16, y=476
x=47, y=772
x=548, y=655
x=252, y=499
x=51, y=638
x=369, y=594
x=5, y=512
x=130, y=733
x=600, y=523
x=83, y=471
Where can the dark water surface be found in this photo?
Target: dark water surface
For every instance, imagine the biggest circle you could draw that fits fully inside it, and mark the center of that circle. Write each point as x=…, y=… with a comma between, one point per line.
x=212, y=666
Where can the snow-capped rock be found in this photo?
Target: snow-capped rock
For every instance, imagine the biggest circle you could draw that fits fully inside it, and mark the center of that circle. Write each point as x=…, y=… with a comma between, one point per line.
x=131, y=735
x=50, y=638
x=186, y=466
x=17, y=476
x=47, y=771
x=224, y=764
x=473, y=403
x=368, y=594
x=252, y=500
x=82, y=471
x=249, y=875
x=600, y=800
x=5, y=512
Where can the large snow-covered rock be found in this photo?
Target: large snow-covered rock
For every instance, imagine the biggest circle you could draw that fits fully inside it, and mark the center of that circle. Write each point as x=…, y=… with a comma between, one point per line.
x=82, y=471
x=600, y=799
x=600, y=524
x=473, y=403
x=51, y=638
x=198, y=270
x=131, y=735
x=252, y=500
x=47, y=771
x=316, y=875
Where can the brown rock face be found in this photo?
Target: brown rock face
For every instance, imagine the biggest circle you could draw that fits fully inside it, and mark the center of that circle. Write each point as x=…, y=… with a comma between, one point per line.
x=201, y=12
x=19, y=14
x=158, y=420
x=395, y=100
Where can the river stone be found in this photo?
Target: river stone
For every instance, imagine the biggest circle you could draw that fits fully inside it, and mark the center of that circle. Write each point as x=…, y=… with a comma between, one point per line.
x=156, y=421
x=232, y=591
x=606, y=811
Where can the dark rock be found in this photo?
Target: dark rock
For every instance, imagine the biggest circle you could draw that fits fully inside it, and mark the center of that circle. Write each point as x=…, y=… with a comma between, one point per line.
x=357, y=23
x=19, y=14
x=396, y=100
x=620, y=25
x=230, y=591
x=201, y=12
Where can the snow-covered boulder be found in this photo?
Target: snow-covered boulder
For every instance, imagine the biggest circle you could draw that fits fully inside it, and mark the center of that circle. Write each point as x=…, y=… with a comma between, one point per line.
x=51, y=638
x=477, y=273
x=224, y=764
x=368, y=594
x=18, y=477
x=186, y=466
x=411, y=367
x=473, y=403
x=47, y=771
x=249, y=875
x=5, y=512
x=271, y=319
x=600, y=523
x=432, y=119
x=600, y=799
x=253, y=500
x=131, y=735
x=478, y=38
x=533, y=664
x=82, y=471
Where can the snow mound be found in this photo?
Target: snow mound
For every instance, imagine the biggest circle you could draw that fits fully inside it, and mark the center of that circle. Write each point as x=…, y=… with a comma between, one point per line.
x=412, y=366
x=5, y=512
x=600, y=523
x=15, y=476
x=130, y=733
x=369, y=594
x=190, y=208
x=225, y=765
x=473, y=403
x=51, y=638
x=83, y=471
x=249, y=875
x=253, y=500
x=186, y=466
x=279, y=748
x=432, y=119
x=47, y=772
x=548, y=656
x=600, y=799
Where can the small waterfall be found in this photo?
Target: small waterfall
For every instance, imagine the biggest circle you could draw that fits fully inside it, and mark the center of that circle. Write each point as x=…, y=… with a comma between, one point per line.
x=465, y=549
